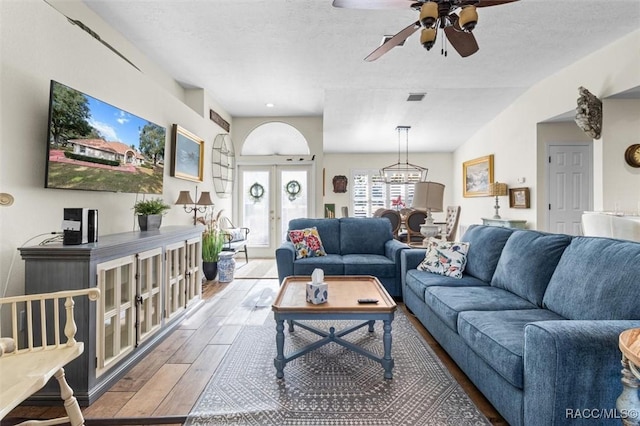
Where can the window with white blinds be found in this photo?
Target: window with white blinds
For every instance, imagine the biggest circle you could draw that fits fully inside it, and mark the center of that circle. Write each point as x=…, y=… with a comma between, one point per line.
x=371, y=193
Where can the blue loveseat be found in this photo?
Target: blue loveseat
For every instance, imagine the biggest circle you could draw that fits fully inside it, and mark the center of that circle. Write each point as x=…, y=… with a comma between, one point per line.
x=354, y=246
x=534, y=321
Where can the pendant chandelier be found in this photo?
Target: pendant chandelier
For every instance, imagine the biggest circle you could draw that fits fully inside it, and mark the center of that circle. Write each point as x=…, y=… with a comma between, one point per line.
x=403, y=173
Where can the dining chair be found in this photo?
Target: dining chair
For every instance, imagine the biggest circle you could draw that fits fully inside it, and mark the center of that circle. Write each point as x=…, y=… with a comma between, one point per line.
x=394, y=218
x=412, y=223
x=378, y=212
x=451, y=222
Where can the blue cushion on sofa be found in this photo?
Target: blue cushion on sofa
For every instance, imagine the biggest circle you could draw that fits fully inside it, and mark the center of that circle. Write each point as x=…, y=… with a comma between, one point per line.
x=485, y=246
x=417, y=281
x=596, y=279
x=498, y=338
x=527, y=263
x=328, y=229
x=364, y=236
x=448, y=302
x=369, y=264
x=331, y=264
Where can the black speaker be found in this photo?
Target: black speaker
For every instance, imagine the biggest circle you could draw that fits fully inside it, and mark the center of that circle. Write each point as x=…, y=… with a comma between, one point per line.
x=80, y=226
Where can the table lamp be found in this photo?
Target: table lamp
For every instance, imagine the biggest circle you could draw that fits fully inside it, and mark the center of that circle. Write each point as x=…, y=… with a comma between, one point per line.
x=428, y=196
x=190, y=206
x=497, y=189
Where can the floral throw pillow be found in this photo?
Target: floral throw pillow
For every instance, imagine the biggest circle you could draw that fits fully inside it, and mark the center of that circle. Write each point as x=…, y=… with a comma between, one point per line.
x=445, y=258
x=307, y=242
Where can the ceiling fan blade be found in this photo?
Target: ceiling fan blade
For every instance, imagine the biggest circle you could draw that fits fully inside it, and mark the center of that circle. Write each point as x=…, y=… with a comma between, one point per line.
x=373, y=4
x=487, y=3
x=393, y=42
x=465, y=43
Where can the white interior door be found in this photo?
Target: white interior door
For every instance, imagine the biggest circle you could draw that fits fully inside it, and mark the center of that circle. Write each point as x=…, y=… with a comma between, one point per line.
x=270, y=196
x=570, y=186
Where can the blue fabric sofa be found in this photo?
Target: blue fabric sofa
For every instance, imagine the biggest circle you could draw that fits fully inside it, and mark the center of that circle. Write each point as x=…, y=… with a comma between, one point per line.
x=534, y=321
x=354, y=246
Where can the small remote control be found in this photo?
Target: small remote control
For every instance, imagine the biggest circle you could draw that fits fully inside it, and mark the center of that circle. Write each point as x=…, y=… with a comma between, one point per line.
x=367, y=300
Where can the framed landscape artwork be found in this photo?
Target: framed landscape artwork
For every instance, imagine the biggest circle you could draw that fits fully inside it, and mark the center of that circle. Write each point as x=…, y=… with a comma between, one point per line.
x=477, y=174
x=519, y=198
x=188, y=155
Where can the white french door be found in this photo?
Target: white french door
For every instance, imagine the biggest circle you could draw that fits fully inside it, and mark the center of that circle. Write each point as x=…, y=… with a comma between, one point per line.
x=270, y=196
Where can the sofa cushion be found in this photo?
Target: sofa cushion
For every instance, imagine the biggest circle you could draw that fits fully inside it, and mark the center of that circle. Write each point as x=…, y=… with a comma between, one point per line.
x=307, y=242
x=448, y=302
x=328, y=229
x=446, y=258
x=368, y=264
x=331, y=264
x=485, y=246
x=417, y=281
x=527, y=262
x=596, y=279
x=498, y=338
x=364, y=235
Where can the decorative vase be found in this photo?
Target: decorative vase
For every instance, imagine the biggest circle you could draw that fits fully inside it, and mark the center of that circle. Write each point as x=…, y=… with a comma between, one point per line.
x=150, y=222
x=226, y=267
x=210, y=270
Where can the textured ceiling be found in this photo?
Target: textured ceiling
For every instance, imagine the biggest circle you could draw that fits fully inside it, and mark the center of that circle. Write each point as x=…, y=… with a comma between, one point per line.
x=306, y=57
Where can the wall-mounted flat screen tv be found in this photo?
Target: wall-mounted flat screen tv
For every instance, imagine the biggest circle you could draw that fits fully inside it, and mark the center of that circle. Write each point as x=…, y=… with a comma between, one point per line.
x=92, y=145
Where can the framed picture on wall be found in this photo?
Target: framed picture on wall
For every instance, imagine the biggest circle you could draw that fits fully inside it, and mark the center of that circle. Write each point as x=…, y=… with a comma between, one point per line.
x=330, y=210
x=477, y=174
x=519, y=198
x=188, y=155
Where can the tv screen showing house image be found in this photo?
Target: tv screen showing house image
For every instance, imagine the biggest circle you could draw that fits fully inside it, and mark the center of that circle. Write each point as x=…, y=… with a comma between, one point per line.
x=95, y=146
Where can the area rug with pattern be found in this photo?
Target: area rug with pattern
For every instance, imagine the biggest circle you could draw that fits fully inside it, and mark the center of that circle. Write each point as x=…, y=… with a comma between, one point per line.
x=332, y=385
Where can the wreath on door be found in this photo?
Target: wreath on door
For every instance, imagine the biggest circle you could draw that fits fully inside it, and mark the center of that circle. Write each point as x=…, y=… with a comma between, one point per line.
x=292, y=189
x=256, y=192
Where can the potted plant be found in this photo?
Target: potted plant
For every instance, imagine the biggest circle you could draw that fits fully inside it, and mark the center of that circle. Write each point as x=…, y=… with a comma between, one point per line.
x=150, y=213
x=212, y=243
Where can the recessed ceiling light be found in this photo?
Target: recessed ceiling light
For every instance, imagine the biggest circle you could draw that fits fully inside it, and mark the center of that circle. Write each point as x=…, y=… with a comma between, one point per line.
x=269, y=105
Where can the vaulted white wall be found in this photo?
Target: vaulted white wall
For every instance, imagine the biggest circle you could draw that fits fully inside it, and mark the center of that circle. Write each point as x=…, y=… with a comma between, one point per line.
x=512, y=135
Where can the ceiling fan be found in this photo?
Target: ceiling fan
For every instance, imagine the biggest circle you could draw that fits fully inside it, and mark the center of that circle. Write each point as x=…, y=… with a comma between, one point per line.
x=456, y=18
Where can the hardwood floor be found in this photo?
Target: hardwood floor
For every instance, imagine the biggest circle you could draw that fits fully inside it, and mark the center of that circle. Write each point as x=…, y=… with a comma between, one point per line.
x=169, y=381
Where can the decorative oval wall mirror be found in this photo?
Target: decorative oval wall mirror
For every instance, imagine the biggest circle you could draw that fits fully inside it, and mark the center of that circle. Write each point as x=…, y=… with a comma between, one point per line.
x=223, y=161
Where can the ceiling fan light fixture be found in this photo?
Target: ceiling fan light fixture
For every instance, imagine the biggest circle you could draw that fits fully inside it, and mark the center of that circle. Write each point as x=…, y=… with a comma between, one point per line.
x=468, y=18
x=429, y=14
x=428, y=38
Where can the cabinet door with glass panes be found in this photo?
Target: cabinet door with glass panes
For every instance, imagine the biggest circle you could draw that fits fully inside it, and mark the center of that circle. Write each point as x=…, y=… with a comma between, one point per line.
x=193, y=274
x=175, y=282
x=116, y=311
x=149, y=280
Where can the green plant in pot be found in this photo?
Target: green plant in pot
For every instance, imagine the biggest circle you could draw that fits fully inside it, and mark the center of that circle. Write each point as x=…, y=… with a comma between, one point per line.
x=213, y=239
x=150, y=213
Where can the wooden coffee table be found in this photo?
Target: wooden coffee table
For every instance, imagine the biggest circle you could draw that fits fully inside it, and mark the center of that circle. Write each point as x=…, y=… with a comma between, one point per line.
x=344, y=291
